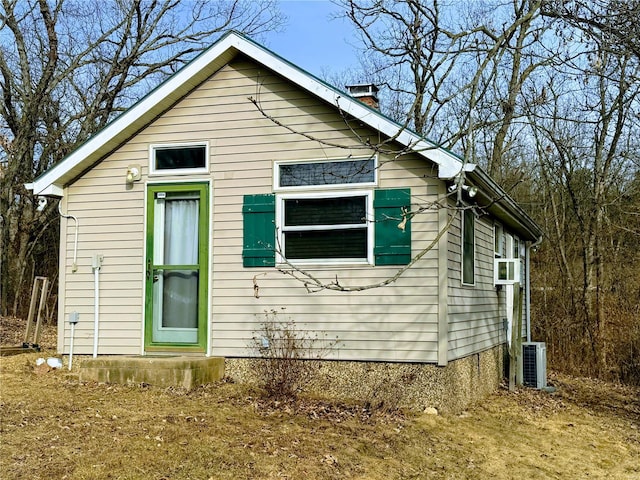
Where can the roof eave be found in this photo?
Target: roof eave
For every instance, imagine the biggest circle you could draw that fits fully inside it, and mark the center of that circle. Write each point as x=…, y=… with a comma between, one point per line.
x=503, y=207
x=220, y=53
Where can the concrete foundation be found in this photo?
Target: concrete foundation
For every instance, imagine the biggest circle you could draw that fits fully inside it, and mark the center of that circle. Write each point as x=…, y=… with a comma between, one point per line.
x=185, y=372
x=414, y=386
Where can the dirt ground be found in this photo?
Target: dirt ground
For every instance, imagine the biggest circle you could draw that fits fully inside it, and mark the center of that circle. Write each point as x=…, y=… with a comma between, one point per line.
x=54, y=427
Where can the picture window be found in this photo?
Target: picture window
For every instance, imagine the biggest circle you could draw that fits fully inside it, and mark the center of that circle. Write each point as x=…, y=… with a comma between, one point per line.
x=326, y=228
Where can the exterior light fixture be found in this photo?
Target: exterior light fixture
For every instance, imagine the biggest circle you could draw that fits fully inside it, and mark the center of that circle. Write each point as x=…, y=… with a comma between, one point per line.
x=471, y=191
x=133, y=174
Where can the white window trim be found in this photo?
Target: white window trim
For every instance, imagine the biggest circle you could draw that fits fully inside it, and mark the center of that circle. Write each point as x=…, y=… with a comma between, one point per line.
x=511, y=256
x=276, y=174
x=280, y=199
x=178, y=171
x=475, y=252
x=516, y=266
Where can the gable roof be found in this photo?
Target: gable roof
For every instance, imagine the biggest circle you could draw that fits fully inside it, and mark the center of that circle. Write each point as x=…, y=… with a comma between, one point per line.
x=138, y=116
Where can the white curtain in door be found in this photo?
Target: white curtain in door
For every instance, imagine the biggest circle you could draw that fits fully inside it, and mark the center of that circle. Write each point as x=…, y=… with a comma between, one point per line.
x=180, y=296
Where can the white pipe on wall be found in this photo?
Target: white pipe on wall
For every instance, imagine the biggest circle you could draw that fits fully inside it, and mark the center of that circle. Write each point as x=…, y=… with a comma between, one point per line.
x=73, y=319
x=74, y=265
x=97, y=263
x=73, y=331
x=96, y=309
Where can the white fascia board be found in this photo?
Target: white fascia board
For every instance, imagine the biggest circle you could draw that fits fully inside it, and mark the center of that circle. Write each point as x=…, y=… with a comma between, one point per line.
x=49, y=191
x=52, y=190
x=137, y=116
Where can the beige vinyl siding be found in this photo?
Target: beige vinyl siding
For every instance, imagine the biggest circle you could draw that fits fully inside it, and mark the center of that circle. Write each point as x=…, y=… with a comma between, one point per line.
x=111, y=223
x=475, y=323
x=395, y=323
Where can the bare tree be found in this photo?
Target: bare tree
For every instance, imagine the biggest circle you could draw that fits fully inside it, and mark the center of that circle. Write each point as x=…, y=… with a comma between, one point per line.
x=615, y=20
x=587, y=133
x=457, y=73
x=66, y=69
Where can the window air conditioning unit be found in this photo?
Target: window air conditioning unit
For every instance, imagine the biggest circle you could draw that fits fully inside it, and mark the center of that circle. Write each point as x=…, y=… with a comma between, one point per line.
x=534, y=364
x=506, y=271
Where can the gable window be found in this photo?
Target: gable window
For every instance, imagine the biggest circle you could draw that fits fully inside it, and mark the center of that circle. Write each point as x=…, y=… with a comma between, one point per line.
x=360, y=172
x=468, y=247
x=179, y=158
x=325, y=228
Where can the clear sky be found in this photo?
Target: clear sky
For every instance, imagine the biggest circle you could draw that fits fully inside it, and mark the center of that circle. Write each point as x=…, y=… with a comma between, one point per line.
x=314, y=41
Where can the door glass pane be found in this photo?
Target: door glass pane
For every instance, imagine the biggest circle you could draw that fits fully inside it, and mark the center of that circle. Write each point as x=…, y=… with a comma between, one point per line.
x=181, y=230
x=180, y=299
x=175, y=291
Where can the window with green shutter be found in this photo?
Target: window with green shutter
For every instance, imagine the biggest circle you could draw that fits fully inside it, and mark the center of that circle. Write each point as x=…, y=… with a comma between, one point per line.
x=313, y=220
x=331, y=229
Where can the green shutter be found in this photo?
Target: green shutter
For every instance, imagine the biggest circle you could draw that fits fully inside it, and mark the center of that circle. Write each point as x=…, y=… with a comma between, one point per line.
x=393, y=245
x=259, y=216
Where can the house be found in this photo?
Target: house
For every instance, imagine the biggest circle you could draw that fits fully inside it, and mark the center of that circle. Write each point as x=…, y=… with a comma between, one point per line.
x=178, y=217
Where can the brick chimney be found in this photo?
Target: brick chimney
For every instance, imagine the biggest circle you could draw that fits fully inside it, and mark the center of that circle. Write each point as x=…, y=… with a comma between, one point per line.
x=367, y=93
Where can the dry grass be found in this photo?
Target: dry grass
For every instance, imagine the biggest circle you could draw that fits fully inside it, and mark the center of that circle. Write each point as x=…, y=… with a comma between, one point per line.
x=53, y=427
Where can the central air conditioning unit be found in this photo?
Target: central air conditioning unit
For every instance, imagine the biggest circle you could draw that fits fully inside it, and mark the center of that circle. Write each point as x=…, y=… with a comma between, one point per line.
x=534, y=364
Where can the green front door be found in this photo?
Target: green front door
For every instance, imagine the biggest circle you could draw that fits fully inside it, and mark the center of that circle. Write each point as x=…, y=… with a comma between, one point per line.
x=176, y=267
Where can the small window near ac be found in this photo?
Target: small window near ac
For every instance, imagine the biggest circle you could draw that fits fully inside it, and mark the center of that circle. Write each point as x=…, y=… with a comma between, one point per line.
x=506, y=271
x=179, y=159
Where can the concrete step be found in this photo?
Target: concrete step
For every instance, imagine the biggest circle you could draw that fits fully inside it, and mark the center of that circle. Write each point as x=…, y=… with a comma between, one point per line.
x=172, y=371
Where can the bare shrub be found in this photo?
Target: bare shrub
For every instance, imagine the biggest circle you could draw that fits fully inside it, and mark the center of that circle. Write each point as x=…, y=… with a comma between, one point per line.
x=288, y=355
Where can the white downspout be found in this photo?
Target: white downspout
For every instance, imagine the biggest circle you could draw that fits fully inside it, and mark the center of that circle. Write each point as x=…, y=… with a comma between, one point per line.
x=74, y=265
x=527, y=280
x=73, y=319
x=96, y=264
x=73, y=333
